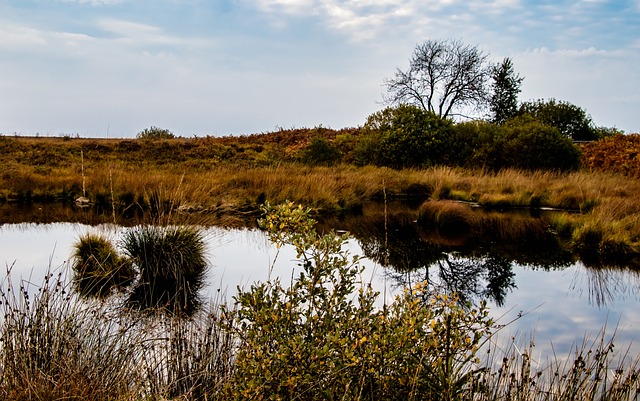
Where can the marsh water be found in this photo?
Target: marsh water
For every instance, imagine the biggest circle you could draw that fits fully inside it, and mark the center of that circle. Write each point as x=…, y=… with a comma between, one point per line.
x=543, y=291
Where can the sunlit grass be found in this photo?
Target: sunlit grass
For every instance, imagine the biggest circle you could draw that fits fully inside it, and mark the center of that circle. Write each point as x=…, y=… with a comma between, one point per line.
x=225, y=180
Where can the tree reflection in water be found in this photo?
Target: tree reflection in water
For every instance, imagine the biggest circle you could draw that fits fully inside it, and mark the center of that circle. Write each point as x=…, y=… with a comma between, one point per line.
x=474, y=265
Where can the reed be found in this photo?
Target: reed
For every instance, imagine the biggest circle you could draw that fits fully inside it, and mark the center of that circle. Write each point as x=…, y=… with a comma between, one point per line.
x=594, y=370
x=55, y=347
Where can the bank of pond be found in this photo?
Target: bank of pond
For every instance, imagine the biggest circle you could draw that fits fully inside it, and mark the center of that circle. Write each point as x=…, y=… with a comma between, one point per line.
x=448, y=301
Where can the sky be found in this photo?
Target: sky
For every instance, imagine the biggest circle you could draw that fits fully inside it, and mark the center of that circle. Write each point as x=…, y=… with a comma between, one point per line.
x=111, y=68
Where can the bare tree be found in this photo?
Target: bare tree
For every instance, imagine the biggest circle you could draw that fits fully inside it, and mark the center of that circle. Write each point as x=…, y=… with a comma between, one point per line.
x=443, y=77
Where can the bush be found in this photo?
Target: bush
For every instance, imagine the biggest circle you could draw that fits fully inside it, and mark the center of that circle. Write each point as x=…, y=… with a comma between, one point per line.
x=530, y=145
x=571, y=120
x=321, y=152
x=155, y=133
x=403, y=136
x=323, y=338
x=468, y=144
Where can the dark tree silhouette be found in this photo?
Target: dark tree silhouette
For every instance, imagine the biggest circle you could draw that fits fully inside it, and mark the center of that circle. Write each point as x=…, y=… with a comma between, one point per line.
x=506, y=87
x=443, y=77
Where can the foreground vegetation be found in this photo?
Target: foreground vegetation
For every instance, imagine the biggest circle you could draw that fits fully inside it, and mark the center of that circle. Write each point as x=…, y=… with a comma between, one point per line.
x=321, y=337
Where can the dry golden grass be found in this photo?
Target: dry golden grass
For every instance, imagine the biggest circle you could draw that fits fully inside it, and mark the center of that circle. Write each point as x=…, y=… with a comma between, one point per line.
x=223, y=178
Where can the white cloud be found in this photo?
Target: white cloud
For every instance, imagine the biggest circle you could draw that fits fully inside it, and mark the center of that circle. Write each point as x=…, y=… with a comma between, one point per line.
x=19, y=37
x=362, y=20
x=94, y=2
x=574, y=53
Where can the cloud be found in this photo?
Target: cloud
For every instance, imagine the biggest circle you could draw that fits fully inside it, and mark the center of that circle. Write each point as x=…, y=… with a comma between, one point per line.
x=137, y=32
x=362, y=20
x=94, y=2
x=574, y=53
x=19, y=37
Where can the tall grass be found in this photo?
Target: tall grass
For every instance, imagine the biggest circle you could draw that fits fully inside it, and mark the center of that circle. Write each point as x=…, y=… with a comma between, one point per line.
x=54, y=347
x=57, y=346
x=593, y=371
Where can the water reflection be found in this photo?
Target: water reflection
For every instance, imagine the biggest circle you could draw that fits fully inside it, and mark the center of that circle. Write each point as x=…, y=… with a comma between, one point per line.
x=605, y=285
x=475, y=266
x=561, y=299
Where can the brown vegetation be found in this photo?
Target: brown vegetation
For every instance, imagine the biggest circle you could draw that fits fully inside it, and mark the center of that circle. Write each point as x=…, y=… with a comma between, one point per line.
x=618, y=154
x=225, y=180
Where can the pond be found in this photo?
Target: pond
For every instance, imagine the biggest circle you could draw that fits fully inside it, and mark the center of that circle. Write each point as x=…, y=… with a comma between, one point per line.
x=552, y=297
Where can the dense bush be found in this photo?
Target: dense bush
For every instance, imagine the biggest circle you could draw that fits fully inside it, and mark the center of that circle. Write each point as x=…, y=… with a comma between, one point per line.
x=571, y=120
x=323, y=337
x=468, y=144
x=528, y=144
x=321, y=152
x=407, y=136
x=154, y=132
x=402, y=136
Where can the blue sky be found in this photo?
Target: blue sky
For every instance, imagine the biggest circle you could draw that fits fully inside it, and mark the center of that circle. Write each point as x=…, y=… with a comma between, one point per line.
x=230, y=67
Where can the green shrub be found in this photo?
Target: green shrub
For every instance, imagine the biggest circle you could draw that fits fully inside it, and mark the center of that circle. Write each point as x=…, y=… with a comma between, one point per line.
x=321, y=152
x=572, y=121
x=403, y=136
x=154, y=133
x=530, y=145
x=323, y=337
x=467, y=144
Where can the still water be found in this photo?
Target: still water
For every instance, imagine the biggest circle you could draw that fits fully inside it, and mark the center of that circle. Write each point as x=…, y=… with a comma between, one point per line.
x=560, y=301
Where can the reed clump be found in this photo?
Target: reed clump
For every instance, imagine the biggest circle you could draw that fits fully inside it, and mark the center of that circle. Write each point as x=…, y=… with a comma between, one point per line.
x=54, y=347
x=448, y=216
x=171, y=265
x=98, y=268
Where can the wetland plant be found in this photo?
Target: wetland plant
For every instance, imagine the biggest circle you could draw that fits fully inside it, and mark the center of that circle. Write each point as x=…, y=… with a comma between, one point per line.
x=172, y=267
x=98, y=268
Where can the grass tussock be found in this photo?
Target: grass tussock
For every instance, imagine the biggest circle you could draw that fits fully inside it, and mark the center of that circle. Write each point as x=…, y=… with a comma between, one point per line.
x=448, y=216
x=171, y=265
x=97, y=267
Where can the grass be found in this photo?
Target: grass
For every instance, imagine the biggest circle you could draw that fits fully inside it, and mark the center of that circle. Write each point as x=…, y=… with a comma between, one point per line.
x=225, y=180
x=97, y=267
x=56, y=346
x=172, y=267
